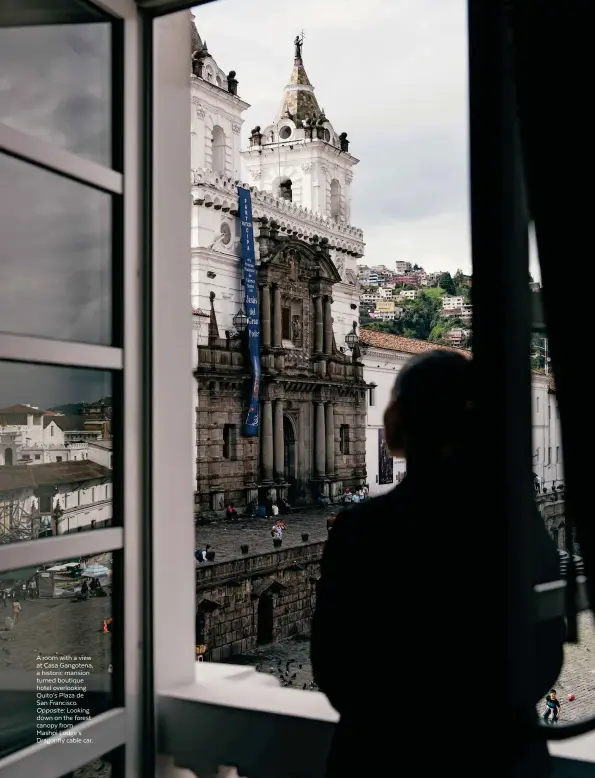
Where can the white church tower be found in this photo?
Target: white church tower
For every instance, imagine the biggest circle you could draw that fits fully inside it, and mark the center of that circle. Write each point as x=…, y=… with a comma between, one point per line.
x=301, y=157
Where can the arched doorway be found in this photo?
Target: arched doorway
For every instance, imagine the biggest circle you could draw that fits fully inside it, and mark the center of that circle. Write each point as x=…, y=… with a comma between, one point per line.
x=8, y=457
x=289, y=469
x=264, y=625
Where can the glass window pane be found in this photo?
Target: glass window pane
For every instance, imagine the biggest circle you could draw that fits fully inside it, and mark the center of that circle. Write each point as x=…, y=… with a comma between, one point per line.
x=55, y=256
x=55, y=451
x=56, y=664
x=56, y=82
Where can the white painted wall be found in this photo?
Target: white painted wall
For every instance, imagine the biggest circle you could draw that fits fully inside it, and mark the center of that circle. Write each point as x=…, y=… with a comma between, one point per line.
x=381, y=366
x=547, y=433
x=101, y=454
x=81, y=504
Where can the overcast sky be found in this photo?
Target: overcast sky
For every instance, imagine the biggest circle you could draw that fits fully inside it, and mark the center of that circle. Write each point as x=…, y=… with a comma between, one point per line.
x=393, y=75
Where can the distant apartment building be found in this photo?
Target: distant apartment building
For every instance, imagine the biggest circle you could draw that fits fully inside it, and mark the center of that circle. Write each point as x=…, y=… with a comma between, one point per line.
x=410, y=278
x=407, y=294
x=385, y=306
x=457, y=337
x=451, y=303
x=401, y=268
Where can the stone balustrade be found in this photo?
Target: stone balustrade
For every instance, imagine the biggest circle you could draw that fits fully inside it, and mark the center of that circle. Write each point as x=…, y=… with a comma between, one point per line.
x=220, y=192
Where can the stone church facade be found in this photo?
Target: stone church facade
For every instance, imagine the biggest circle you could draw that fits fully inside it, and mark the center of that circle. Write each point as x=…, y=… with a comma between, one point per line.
x=313, y=395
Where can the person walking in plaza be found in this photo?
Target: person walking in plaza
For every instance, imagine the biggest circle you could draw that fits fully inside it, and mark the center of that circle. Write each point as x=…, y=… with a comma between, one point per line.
x=552, y=707
x=16, y=609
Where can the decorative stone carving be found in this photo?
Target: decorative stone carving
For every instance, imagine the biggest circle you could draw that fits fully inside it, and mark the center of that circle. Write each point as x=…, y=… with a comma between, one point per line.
x=324, y=168
x=348, y=178
x=307, y=167
x=200, y=111
x=256, y=174
x=236, y=128
x=341, y=267
x=296, y=329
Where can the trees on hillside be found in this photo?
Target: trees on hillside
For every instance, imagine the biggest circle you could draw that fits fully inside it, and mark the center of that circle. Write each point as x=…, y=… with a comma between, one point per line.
x=447, y=283
x=419, y=318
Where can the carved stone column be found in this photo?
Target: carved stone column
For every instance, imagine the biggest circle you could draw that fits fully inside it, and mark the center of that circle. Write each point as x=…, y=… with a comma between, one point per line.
x=265, y=316
x=330, y=439
x=320, y=450
x=277, y=316
x=318, y=325
x=328, y=326
x=279, y=442
x=266, y=441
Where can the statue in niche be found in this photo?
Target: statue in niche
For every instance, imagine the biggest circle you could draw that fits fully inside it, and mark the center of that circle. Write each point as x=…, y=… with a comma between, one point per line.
x=296, y=329
x=340, y=266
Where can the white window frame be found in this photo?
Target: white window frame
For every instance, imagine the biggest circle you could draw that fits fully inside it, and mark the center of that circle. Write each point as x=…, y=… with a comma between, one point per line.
x=120, y=726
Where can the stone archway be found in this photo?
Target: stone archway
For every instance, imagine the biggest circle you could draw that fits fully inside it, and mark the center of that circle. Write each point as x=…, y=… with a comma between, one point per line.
x=265, y=618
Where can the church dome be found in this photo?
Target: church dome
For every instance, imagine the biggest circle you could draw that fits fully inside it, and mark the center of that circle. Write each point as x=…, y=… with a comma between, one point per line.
x=196, y=42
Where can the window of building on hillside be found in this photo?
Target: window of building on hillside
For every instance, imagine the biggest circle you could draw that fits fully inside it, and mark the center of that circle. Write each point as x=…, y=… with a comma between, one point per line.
x=372, y=396
x=37, y=456
x=93, y=495
x=37, y=420
x=286, y=323
x=549, y=456
x=549, y=412
x=51, y=431
x=218, y=141
x=66, y=501
x=45, y=503
x=74, y=458
x=537, y=404
x=335, y=199
x=344, y=439
x=557, y=454
x=230, y=441
x=58, y=459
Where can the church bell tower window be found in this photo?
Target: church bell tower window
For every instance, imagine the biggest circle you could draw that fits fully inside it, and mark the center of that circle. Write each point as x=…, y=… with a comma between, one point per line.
x=285, y=192
x=218, y=140
x=335, y=199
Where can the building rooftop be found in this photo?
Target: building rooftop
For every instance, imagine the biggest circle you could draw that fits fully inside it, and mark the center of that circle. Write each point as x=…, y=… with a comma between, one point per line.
x=403, y=344
x=107, y=444
x=51, y=474
x=66, y=422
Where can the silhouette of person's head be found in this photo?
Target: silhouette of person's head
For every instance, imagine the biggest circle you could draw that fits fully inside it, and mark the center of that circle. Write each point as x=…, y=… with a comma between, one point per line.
x=427, y=419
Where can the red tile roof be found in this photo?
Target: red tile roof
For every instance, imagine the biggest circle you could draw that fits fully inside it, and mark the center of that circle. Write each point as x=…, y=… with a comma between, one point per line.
x=51, y=474
x=20, y=408
x=400, y=343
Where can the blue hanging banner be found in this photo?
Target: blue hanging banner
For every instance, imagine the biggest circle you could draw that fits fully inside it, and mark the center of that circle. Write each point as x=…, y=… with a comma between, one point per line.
x=250, y=428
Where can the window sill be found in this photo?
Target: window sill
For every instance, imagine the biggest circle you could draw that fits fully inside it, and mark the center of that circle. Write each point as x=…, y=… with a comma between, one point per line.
x=233, y=715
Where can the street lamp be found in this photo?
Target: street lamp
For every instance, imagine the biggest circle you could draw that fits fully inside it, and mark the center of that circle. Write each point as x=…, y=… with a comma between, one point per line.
x=351, y=338
x=240, y=321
